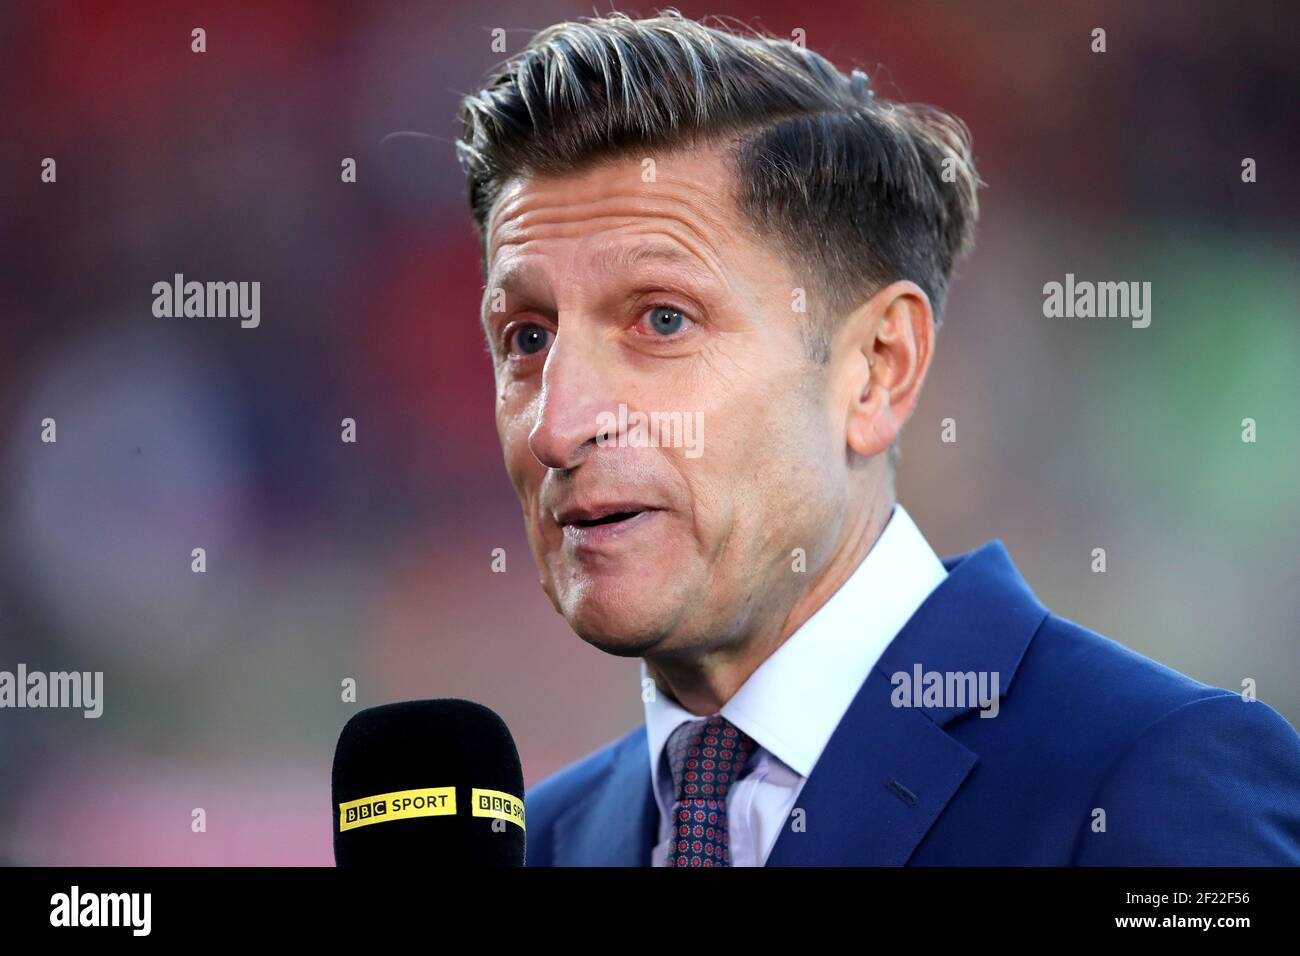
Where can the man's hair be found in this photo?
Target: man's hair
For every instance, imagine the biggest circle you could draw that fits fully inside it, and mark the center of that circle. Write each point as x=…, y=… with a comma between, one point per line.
x=857, y=192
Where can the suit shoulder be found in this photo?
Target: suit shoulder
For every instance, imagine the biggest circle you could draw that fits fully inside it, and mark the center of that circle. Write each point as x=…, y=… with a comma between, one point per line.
x=1094, y=675
x=1080, y=701
x=1214, y=782
x=1186, y=772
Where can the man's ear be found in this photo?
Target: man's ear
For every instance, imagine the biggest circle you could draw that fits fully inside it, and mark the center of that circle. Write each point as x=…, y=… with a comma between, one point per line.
x=884, y=350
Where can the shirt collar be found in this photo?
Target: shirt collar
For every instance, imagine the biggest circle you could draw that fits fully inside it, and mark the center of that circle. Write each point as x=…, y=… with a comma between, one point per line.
x=793, y=702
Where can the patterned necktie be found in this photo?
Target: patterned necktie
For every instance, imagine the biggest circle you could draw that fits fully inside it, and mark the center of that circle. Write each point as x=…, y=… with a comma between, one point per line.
x=706, y=757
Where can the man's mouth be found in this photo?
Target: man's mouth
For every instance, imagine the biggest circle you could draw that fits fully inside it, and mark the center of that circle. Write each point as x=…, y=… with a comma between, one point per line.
x=595, y=515
x=607, y=519
x=594, y=527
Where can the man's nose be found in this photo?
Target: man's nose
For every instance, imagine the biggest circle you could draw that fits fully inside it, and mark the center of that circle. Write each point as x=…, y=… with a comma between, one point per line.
x=574, y=391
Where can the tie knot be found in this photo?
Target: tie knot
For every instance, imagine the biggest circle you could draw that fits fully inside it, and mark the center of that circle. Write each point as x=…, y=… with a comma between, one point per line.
x=707, y=756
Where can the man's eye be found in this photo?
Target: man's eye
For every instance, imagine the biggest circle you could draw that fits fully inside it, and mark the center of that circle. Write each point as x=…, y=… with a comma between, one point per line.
x=529, y=339
x=666, y=320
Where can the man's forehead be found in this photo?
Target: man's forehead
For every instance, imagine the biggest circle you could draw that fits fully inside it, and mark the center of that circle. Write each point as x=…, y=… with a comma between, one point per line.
x=614, y=258
x=690, y=189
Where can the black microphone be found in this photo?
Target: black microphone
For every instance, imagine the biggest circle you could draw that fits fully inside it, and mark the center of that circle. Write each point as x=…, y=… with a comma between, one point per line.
x=425, y=782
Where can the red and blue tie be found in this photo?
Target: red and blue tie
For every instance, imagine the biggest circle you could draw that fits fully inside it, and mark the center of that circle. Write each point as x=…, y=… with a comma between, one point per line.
x=705, y=757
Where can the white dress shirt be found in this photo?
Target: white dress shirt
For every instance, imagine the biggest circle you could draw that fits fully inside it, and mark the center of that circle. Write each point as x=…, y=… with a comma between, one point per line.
x=793, y=702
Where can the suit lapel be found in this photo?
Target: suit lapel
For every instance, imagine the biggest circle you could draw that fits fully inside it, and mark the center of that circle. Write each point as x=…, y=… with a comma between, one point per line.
x=617, y=824
x=888, y=772
x=881, y=782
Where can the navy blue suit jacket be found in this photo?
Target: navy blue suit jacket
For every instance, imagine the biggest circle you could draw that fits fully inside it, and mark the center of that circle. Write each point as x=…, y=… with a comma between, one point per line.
x=1186, y=774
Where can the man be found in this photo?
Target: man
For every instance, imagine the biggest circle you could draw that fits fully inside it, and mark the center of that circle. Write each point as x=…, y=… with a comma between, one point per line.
x=714, y=269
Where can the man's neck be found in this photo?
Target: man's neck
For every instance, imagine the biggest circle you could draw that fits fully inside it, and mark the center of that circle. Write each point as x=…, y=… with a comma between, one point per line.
x=704, y=683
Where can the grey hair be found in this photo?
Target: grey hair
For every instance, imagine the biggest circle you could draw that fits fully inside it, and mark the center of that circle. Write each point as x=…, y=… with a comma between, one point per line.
x=857, y=191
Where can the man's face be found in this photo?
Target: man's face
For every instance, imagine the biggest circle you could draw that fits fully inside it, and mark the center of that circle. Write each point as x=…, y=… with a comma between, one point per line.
x=656, y=296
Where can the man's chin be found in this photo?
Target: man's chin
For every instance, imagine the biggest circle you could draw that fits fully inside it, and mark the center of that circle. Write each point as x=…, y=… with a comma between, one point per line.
x=621, y=630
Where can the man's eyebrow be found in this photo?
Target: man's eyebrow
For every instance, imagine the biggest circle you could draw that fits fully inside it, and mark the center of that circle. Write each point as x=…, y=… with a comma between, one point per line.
x=611, y=259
